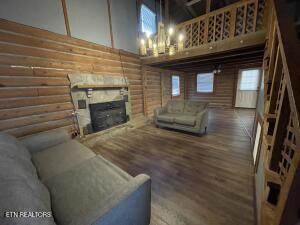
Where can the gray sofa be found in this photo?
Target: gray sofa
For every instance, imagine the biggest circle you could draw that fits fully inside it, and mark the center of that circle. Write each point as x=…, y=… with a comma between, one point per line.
x=65, y=183
x=186, y=115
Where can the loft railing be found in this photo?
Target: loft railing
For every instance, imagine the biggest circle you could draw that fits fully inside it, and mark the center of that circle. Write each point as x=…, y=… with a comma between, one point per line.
x=281, y=132
x=237, y=19
x=234, y=20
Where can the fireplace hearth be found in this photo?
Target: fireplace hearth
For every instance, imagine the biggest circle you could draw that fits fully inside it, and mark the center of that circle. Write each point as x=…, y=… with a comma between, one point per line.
x=107, y=114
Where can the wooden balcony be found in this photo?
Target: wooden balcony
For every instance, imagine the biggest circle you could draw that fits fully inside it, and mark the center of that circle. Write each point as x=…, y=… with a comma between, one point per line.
x=239, y=25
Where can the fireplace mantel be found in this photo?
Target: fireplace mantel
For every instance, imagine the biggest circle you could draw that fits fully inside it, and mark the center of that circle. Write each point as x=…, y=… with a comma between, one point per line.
x=100, y=86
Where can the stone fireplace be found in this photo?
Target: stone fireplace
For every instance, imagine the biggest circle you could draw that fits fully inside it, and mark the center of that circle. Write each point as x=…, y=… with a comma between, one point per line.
x=100, y=101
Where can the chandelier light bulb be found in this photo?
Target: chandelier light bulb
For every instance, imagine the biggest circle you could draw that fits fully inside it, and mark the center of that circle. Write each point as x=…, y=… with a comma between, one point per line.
x=171, y=30
x=180, y=37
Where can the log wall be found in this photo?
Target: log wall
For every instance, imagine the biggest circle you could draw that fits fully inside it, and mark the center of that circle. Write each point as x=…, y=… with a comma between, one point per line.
x=34, y=88
x=224, y=86
x=158, y=88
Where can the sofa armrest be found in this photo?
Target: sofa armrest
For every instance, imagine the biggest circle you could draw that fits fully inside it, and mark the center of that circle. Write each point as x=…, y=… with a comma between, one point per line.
x=131, y=205
x=38, y=142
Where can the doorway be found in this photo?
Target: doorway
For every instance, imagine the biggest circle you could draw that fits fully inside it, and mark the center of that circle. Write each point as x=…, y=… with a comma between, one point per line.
x=247, y=88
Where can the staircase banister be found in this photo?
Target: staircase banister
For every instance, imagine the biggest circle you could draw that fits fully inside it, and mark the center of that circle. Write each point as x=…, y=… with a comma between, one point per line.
x=290, y=47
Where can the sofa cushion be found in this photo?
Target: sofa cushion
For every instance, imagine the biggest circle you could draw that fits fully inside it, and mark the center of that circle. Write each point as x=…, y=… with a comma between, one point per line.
x=18, y=196
x=16, y=168
x=166, y=117
x=40, y=141
x=193, y=107
x=175, y=106
x=187, y=120
x=78, y=192
x=11, y=147
x=57, y=159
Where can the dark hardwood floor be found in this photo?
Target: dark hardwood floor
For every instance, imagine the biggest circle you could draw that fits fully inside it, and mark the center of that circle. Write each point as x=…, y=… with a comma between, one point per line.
x=247, y=117
x=204, y=180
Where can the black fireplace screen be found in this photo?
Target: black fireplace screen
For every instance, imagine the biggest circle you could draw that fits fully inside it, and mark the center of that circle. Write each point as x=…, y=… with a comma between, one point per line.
x=107, y=114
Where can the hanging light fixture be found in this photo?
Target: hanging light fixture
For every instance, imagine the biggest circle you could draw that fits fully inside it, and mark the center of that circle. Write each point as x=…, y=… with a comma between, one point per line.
x=143, y=48
x=217, y=69
x=180, y=42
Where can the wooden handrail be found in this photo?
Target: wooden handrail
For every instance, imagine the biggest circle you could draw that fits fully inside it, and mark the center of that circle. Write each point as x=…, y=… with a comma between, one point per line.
x=282, y=154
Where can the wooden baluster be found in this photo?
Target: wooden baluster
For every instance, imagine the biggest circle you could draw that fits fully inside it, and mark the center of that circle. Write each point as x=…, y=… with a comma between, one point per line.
x=244, y=18
x=215, y=21
x=232, y=22
x=198, y=36
x=206, y=21
x=222, y=26
x=255, y=15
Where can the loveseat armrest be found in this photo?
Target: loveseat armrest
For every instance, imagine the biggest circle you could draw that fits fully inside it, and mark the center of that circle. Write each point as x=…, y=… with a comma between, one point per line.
x=159, y=111
x=38, y=142
x=131, y=205
x=202, y=120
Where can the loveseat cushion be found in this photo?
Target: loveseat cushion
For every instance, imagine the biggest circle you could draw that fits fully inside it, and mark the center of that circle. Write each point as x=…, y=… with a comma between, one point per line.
x=77, y=193
x=17, y=196
x=166, y=117
x=175, y=106
x=193, y=107
x=60, y=158
x=187, y=120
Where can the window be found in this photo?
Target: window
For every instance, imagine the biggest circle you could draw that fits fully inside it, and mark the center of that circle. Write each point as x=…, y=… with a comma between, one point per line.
x=205, y=82
x=175, y=86
x=249, y=80
x=148, y=20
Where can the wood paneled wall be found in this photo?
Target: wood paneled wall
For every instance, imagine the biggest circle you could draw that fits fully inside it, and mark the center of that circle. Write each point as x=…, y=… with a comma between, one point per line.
x=34, y=88
x=224, y=86
x=158, y=89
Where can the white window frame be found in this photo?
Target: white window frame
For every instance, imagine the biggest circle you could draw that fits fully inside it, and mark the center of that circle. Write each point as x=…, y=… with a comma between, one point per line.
x=258, y=81
x=142, y=29
x=172, y=86
x=198, y=90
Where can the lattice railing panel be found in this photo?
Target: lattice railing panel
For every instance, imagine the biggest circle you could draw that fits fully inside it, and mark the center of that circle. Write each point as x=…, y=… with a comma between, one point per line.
x=250, y=19
x=201, y=32
x=226, y=26
x=280, y=93
x=195, y=34
x=289, y=149
x=211, y=29
x=188, y=36
x=219, y=27
x=260, y=14
x=239, y=22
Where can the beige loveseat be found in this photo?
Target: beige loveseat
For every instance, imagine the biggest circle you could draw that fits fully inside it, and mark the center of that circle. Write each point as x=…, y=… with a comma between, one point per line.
x=186, y=115
x=67, y=184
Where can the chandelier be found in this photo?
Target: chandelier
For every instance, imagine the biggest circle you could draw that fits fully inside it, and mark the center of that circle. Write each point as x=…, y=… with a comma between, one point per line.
x=165, y=41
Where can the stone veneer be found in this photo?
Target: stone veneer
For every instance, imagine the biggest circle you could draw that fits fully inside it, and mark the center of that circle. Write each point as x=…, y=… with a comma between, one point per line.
x=96, y=95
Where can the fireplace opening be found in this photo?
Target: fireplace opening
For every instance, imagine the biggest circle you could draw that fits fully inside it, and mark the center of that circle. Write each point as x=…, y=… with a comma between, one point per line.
x=107, y=114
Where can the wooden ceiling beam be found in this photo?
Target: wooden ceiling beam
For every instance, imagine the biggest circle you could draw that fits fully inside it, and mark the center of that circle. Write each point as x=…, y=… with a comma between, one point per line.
x=188, y=9
x=188, y=63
